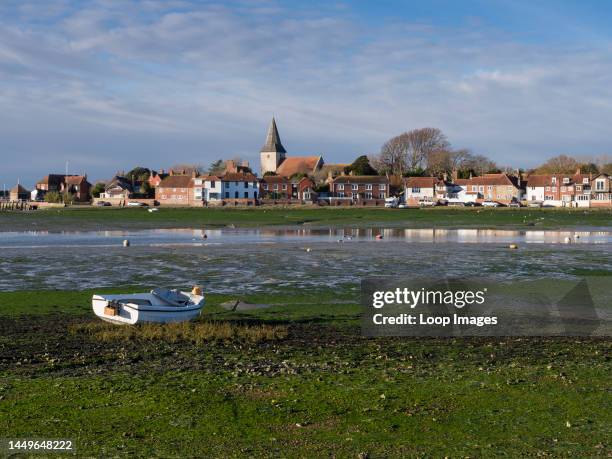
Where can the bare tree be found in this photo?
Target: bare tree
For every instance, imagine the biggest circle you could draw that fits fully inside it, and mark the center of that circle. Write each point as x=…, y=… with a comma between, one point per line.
x=409, y=151
x=561, y=164
x=187, y=169
x=478, y=164
x=439, y=162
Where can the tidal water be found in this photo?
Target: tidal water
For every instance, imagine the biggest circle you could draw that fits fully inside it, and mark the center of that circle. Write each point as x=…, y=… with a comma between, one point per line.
x=290, y=260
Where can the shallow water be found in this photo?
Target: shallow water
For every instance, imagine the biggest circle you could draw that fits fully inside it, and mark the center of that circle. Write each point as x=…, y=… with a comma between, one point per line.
x=277, y=261
x=199, y=237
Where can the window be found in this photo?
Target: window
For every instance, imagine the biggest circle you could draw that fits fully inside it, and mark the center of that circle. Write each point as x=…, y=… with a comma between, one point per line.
x=340, y=186
x=355, y=187
x=227, y=195
x=265, y=186
x=489, y=187
x=284, y=186
x=565, y=179
x=246, y=194
x=355, y=196
x=382, y=187
x=416, y=189
x=578, y=188
x=474, y=188
x=563, y=188
x=369, y=186
x=481, y=189
x=585, y=180
x=341, y=194
x=554, y=189
x=212, y=183
x=368, y=195
x=276, y=187
x=599, y=185
x=547, y=188
x=235, y=195
x=226, y=184
x=554, y=180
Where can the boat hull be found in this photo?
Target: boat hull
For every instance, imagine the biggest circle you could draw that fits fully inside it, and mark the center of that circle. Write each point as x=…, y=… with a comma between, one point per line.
x=142, y=308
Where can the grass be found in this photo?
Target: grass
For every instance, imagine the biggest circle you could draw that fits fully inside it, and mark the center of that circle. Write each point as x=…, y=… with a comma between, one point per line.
x=131, y=218
x=295, y=380
x=196, y=332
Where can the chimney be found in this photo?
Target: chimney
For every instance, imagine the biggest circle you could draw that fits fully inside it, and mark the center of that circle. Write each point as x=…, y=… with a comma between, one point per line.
x=194, y=173
x=171, y=172
x=454, y=175
x=445, y=177
x=578, y=171
x=244, y=163
x=230, y=166
x=470, y=175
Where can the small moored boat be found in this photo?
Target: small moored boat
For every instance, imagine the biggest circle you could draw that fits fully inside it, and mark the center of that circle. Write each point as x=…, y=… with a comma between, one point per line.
x=160, y=305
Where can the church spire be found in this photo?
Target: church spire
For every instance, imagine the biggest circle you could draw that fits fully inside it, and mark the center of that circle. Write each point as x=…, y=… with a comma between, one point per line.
x=273, y=141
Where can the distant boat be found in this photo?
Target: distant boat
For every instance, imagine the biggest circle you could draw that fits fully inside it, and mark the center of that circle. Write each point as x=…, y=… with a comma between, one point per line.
x=158, y=306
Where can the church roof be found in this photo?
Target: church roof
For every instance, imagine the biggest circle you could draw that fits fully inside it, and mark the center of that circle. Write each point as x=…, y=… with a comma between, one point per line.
x=298, y=165
x=273, y=141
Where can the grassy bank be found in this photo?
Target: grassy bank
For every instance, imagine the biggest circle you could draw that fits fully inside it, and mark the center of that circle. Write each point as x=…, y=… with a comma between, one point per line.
x=295, y=380
x=130, y=218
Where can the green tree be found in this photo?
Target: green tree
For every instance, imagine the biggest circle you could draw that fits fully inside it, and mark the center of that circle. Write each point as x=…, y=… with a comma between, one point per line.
x=97, y=189
x=361, y=166
x=147, y=190
x=138, y=174
x=589, y=168
x=269, y=173
x=53, y=197
x=216, y=167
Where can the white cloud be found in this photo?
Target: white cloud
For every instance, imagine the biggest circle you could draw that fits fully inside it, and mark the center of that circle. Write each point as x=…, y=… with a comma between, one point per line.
x=195, y=82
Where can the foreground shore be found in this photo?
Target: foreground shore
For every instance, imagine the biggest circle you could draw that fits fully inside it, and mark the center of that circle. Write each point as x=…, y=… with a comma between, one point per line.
x=295, y=380
x=88, y=218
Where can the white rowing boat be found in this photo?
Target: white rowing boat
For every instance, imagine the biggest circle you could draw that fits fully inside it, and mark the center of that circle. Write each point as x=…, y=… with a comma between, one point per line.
x=159, y=305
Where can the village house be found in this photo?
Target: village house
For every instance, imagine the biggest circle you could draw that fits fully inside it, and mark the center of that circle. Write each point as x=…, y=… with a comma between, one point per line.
x=501, y=188
x=359, y=189
x=155, y=178
x=278, y=188
x=176, y=190
x=559, y=190
x=233, y=188
x=76, y=185
x=601, y=191
x=118, y=187
x=19, y=193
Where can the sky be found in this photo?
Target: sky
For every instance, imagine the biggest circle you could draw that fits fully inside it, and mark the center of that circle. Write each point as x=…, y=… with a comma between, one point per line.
x=109, y=85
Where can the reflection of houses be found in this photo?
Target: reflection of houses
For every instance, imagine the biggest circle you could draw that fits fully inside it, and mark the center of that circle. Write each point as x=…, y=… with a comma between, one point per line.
x=76, y=185
x=359, y=189
x=274, y=187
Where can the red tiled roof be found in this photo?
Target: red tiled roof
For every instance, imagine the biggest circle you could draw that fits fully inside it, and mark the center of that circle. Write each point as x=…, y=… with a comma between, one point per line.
x=274, y=179
x=540, y=180
x=298, y=165
x=361, y=179
x=421, y=182
x=239, y=177
x=177, y=181
x=493, y=179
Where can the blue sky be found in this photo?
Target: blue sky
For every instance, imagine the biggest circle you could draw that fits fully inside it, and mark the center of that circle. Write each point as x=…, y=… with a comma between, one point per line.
x=108, y=85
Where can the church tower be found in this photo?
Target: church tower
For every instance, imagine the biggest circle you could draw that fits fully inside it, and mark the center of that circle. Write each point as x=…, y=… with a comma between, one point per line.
x=272, y=153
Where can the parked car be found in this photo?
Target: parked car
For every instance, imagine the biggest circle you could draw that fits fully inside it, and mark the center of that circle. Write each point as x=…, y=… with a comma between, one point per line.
x=534, y=204
x=471, y=204
x=425, y=203
x=456, y=202
x=402, y=206
x=136, y=204
x=103, y=203
x=391, y=203
x=515, y=204
x=490, y=204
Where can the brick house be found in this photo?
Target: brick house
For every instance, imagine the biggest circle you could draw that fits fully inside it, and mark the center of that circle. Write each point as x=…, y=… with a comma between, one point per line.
x=559, y=190
x=274, y=187
x=155, y=178
x=77, y=185
x=359, y=189
x=502, y=188
x=176, y=190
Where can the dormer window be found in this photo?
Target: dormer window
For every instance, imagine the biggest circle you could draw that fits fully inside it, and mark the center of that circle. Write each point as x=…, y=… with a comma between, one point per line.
x=554, y=180
x=566, y=180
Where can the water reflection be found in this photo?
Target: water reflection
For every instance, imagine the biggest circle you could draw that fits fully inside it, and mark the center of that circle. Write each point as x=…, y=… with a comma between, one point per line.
x=204, y=236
